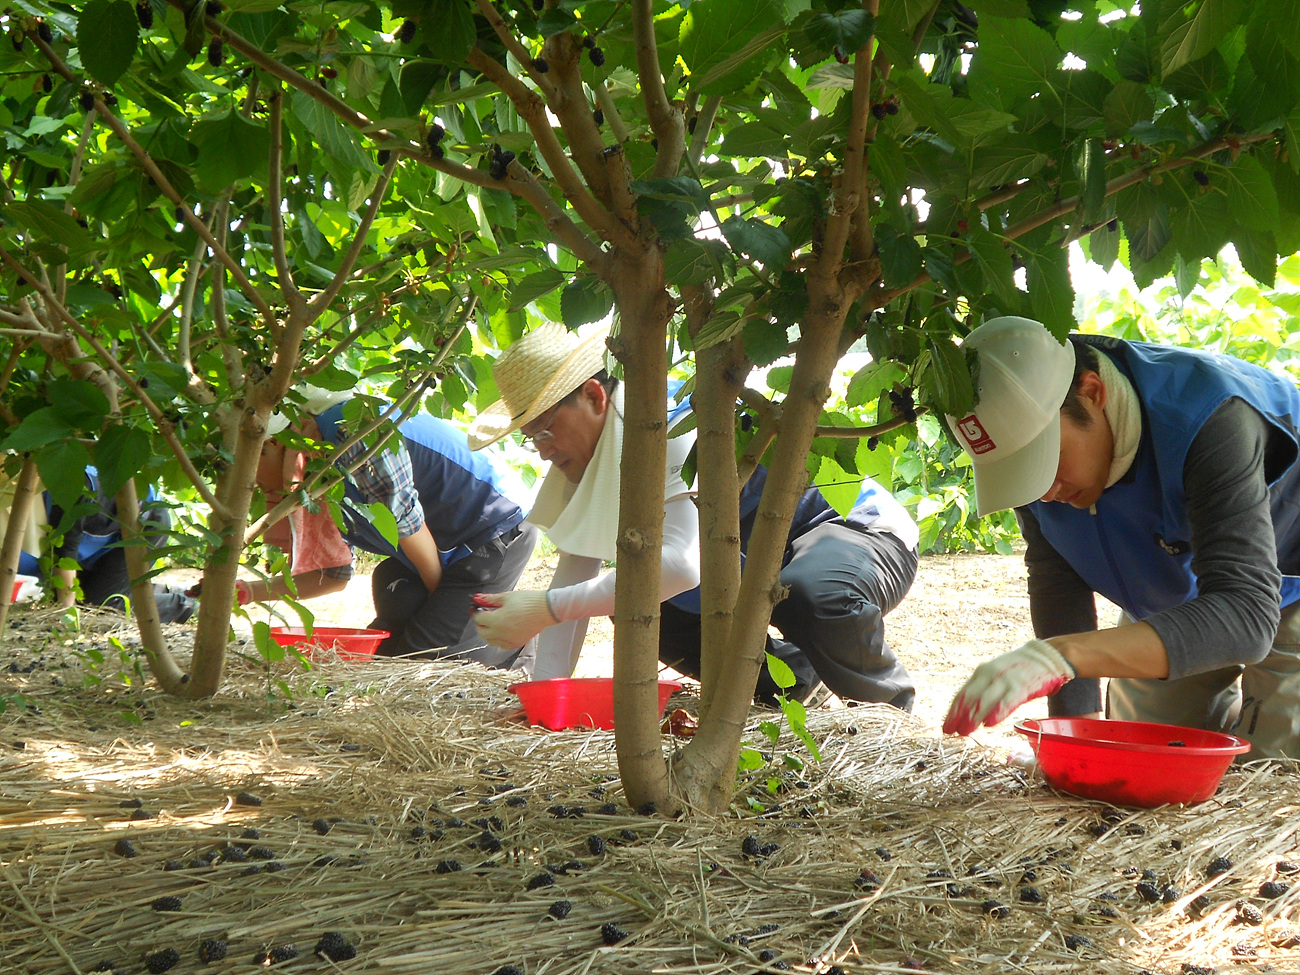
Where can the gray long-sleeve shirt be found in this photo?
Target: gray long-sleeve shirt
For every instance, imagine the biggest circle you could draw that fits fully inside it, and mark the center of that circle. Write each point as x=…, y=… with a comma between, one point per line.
x=1234, y=616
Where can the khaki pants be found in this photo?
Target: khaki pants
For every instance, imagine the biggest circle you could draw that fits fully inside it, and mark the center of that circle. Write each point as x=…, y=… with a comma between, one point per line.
x=1259, y=702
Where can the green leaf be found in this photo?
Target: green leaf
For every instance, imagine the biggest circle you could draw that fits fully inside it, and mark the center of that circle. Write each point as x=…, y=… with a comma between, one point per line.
x=107, y=36
x=452, y=33
x=1147, y=230
x=331, y=135
x=1007, y=162
x=382, y=518
x=722, y=41
x=62, y=467
x=948, y=377
x=38, y=428
x=871, y=380
x=556, y=21
x=1090, y=165
x=1103, y=246
x=1051, y=295
x=721, y=326
x=534, y=286
x=994, y=261
x=50, y=224
x=765, y=342
x=1001, y=8
x=690, y=261
x=268, y=649
x=750, y=760
x=900, y=255
x=230, y=149
x=585, y=300
x=1186, y=274
x=120, y=453
x=1258, y=253
x=845, y=31
x=1127, y=104
x=1188, y=38
x=1201, y=228
x=1015, y=58
x=1251, y=196
x=79, y=403
x=757, y=240
x=837, y=486
x=780, y=672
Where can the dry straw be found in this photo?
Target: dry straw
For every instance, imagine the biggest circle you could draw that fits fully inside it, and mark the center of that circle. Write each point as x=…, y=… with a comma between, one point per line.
x=883, y=858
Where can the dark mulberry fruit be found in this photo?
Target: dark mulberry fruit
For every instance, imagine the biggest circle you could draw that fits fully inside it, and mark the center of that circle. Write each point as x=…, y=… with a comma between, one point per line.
x=447, y=866
x=878, y=111
x=174, y=865
x=867, y=880
x=247, y=799
x=995, y=909
x=1204, y=180
x=1169, y=893
x=1273, y=888
x=215, y=52
x=44, y=33
x=211, y=950
x=406, y=33
x=144, y=14
x=767, y=849
x=608, y=809
x=86, y=100
x=598, y=117
x=508, y=970
x=111, y=101
x=235, y=854
x=418, y=832
x=539, y=5
x=488, y=842
x=169, y=903
x=214, y=8
x=436, y=152
x=261, y=853
x=496, y=823
x=47, y=85
x=281, y=953
x=596, y=845
x=322, y=826
x=540, y=65
x=1031, y=895
x=559, y=810
x=250, y=833
x=690, y=125
x=1112, y=224
x=873, y=442
x=1217, y=867
x=611, y=933
x=1149, y=892
x=597, y=56
x=751, y=847
x=517, y=801
x=1248, y=913
x=125, y=848
x=382, y=156
x=767, y=954
x=274, y=866
x=1076, y=941
x=560, y=910
x=1190, y=969
x=884, y=854
x=767, y=928
x=335, y=947
x=543, y=879
x=254, y=870
x=1199, y=904
x=891, y=107
x=1287, y=867
x=161, y=961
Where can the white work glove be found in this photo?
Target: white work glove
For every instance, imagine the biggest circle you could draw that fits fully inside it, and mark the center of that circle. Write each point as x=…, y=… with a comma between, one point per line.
x=511, y=619
x=1002, y=684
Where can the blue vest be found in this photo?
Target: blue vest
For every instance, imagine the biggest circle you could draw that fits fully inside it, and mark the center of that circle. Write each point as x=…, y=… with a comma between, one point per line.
x=99, y=530
x=459, y=489
x=1136, y=550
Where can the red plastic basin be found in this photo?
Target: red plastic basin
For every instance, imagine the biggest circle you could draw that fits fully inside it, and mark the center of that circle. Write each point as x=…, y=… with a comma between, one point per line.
x=349, y=643
x=576, y=702
x=1130, y=763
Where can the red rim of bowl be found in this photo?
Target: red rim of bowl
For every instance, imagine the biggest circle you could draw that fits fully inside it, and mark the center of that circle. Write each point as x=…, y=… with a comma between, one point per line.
x=1029, y=727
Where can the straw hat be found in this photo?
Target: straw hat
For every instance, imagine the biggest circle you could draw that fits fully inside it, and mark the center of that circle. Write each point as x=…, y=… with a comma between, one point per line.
x=534, y=374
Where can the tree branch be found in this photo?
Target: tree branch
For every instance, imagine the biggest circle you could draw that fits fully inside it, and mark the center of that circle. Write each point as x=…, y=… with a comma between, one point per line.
x=606, y=102
x=875, y=430
x=512, y=44
x=275, y=200
x=316, y=307
x=665, y=121
x=533, y=111
x=526, y=185
x=703, y=126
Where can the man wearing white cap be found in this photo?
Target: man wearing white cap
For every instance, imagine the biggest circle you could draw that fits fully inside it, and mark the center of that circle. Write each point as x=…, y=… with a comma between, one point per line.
x=844, y=573
x=459, y=531
x=1166, y=480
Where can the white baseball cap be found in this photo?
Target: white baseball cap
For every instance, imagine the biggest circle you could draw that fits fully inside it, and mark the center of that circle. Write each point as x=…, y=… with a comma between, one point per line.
x=1013, y=434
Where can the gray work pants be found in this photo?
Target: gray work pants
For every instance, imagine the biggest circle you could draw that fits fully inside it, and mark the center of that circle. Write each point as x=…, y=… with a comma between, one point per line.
x=1259, y=702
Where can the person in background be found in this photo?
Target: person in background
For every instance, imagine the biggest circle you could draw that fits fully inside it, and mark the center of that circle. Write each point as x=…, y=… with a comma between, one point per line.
x=844, y=573
x=459, y=531
x=93, y=541
x=1166, y=480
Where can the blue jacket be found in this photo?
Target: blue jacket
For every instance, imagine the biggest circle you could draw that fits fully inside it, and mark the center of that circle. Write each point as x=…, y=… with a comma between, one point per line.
x=459, y=489
x=1136, y=550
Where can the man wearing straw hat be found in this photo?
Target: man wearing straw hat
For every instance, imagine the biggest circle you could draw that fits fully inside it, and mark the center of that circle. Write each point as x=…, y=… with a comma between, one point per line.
x=459, y=531
x=1166, y=480
x=844, y=573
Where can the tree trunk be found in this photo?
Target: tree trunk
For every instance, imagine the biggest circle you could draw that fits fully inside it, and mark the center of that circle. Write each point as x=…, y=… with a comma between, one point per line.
x=11, y=549
x=641, y=347
x=705, y=774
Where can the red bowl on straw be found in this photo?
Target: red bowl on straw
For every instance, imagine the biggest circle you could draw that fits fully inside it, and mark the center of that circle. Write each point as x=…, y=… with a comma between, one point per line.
x=576, y=702
x=1130, y=763
x=351, y=644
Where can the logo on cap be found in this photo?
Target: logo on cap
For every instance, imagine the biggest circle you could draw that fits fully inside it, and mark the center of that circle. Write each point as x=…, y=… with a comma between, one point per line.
x=977, y=439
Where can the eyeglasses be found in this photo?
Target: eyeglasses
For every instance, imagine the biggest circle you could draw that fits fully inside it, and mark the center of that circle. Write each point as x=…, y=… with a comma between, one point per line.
x=533, y=441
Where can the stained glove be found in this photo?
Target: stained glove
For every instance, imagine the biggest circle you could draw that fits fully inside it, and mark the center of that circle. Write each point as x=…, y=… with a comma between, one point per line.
x=242, y=592
x=511, y=619
x=1002, y=684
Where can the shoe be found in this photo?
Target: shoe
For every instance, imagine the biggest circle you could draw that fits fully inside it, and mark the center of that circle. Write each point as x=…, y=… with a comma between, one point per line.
x=809, y=695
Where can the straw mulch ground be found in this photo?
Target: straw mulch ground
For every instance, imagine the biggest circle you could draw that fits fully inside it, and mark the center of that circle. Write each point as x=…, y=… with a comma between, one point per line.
x=400, y=806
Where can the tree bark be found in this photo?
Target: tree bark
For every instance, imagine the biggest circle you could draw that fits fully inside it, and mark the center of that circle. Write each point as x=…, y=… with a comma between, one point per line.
x=11, y=549
x=640, y=345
